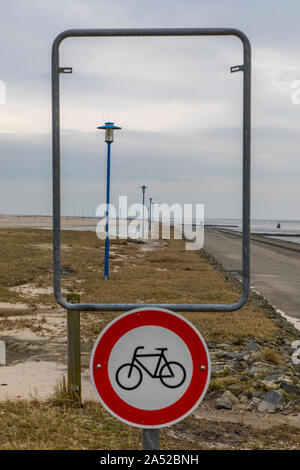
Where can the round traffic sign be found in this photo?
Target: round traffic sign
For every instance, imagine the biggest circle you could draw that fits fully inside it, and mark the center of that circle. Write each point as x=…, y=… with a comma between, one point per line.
x=150, y=367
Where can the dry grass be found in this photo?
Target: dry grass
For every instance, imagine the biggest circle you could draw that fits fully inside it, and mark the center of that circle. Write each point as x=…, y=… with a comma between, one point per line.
x=48, y=425
x=270, y=355
x=36, y=325
x=37, y=425
x=168, y=275
x=221, y=384
x=52, y=425
x=65, y=394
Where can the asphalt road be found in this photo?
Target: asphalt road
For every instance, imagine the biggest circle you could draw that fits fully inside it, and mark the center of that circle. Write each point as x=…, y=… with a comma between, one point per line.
x=275, y=266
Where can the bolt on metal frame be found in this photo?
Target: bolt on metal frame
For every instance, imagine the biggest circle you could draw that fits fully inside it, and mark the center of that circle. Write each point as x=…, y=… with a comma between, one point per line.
x=57, y=70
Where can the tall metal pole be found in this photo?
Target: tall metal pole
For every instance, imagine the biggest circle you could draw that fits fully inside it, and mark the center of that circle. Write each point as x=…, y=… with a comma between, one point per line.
x=143, y=228
x=106, y=256
x=150, y=439
x=143, y=188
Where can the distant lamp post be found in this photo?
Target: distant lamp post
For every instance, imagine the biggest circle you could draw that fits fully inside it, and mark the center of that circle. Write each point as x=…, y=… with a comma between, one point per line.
x=150, y=213
x=143, y=188
x=109, y=138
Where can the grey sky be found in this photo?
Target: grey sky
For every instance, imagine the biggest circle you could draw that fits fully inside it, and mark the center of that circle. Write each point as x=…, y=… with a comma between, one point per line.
x=178, y=105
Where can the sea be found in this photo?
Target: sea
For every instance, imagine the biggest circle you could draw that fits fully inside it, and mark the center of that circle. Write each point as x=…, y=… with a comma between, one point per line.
x=280, y=229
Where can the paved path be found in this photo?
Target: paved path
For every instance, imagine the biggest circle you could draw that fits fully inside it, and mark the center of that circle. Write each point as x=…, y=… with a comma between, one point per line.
x=275, y=266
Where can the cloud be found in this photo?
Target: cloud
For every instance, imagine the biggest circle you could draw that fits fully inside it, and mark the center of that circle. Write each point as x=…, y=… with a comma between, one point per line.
x=179, y=107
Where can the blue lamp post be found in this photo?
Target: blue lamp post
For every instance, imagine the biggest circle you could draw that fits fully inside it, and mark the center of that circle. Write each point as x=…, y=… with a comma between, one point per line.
x=109, y=138
x=143, y=188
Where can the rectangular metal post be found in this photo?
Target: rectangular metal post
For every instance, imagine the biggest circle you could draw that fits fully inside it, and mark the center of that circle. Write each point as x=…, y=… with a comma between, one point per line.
x=150, y=439
x=74, y=365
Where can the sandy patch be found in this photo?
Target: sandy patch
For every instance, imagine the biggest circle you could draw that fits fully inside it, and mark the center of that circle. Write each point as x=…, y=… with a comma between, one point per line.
x=48, y=323
x=36, y=353
x=150, y=245
x=24, y=334
x=45, y=222
x=37, y=379
x=119, y=257
x=31, y=290
x=7, y=307
x=48, y=246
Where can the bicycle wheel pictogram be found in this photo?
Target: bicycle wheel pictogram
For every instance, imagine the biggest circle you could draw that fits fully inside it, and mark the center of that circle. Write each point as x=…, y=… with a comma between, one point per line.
x=129, y=376
x=172, y=374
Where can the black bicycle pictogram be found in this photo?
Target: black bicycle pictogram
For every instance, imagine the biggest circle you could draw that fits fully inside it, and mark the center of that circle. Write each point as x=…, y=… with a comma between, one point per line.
x=130, y=375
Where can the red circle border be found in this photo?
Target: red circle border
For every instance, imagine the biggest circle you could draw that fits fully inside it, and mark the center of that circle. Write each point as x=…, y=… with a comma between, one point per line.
x=120, y=326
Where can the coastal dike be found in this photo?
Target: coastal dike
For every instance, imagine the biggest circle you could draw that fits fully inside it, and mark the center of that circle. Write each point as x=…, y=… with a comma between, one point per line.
x=275, y=265
x=273, y=380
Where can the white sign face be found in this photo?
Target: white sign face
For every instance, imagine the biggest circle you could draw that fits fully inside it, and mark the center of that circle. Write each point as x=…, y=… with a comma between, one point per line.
x=150, y=367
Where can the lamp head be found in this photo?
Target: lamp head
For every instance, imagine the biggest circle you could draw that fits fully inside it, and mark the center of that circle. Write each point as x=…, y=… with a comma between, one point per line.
x=143, y=188
x=109, y=131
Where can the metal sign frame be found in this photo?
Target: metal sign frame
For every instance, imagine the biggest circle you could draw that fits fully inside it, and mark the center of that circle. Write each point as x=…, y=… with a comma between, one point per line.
x=57, y=70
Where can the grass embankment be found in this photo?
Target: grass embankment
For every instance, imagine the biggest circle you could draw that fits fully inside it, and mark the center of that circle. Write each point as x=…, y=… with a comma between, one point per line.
x=168, y=275
x=38, y=425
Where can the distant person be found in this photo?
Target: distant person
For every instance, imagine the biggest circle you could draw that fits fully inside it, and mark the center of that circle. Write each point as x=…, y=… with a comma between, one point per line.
x=278, y=225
